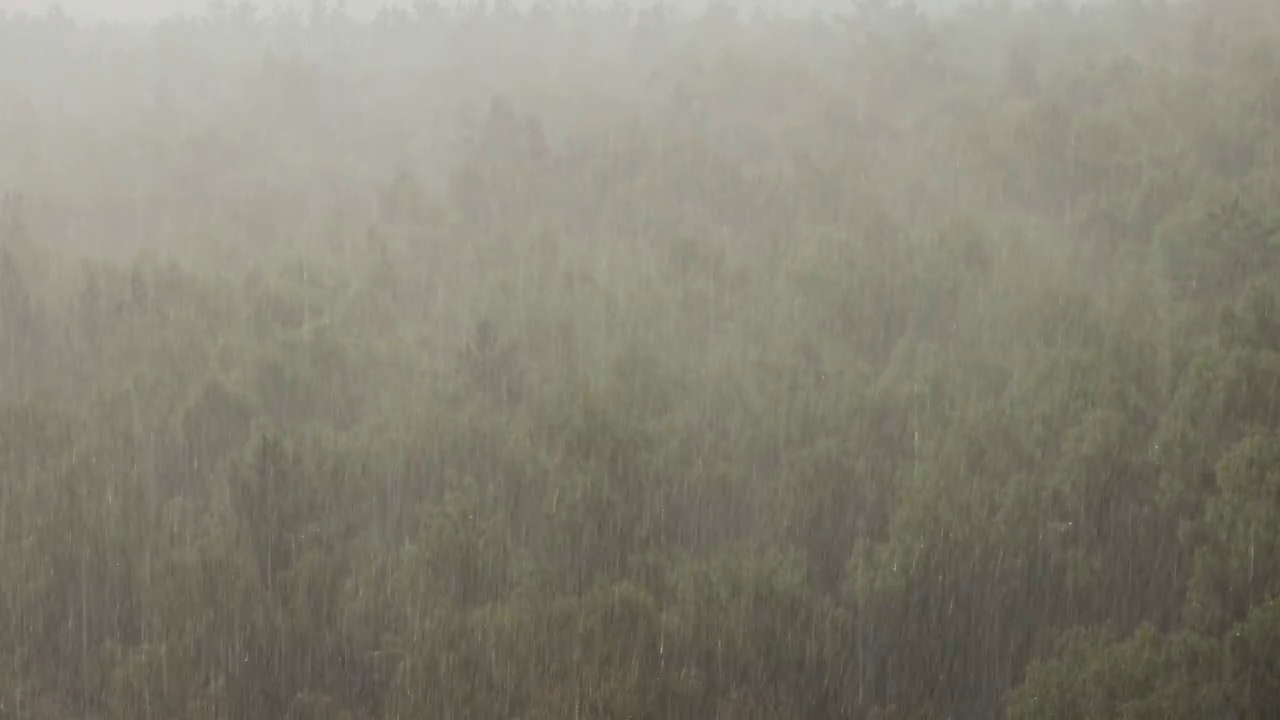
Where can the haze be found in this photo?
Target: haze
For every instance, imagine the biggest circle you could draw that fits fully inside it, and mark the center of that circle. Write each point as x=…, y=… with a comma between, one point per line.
x=153, y=10
x=150, y=11
x=614, y=363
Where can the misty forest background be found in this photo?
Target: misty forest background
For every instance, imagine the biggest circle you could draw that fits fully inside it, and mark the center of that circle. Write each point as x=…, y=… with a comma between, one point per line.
x=473, y=363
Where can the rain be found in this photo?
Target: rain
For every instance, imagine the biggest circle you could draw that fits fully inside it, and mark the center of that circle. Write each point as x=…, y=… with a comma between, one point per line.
x=714, y=360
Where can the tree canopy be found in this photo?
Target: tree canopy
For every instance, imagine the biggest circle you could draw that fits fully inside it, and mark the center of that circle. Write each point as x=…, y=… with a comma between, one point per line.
x=482, y=362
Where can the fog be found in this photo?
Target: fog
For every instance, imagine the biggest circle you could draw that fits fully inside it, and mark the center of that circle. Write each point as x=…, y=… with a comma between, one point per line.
x=150, y=11
x=900, y=362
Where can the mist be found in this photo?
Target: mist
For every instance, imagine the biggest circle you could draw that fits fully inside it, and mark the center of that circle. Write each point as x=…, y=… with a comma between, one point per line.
x=151, y=11
x=874, y=361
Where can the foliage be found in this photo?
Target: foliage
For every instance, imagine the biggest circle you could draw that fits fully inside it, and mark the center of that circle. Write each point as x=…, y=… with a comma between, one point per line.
x=490, y=363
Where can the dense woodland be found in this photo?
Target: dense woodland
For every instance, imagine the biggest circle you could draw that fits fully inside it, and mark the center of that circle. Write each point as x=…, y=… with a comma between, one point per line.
x=543, y=364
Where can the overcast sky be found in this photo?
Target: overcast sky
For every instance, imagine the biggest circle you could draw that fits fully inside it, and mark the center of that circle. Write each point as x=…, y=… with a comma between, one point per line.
x=150, y=10
x=153, y=9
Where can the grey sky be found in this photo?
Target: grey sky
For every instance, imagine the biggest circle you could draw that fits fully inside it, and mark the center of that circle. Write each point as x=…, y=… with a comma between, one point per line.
x=150, y=10
x=132, y=10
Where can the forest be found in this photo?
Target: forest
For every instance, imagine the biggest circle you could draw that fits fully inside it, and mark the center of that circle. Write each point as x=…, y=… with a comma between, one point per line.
x=540, y=363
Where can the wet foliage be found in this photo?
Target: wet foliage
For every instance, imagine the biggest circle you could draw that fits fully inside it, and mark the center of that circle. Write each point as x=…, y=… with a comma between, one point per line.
x=501, y=363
